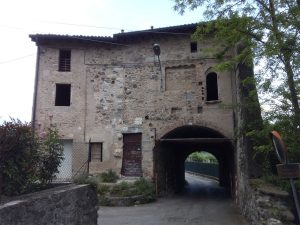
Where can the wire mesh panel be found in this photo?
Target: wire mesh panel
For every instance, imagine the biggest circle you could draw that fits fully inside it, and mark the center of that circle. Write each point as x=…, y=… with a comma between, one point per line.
x=65, y=168
x=75, y=162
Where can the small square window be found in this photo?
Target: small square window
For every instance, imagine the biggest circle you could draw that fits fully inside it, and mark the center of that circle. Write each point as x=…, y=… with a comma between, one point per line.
x=193, y=46
x=96, y=151
x=63, y=95
x=64, y=61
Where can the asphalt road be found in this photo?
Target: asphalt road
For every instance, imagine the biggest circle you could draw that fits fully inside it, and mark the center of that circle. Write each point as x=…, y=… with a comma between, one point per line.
x=203, y=202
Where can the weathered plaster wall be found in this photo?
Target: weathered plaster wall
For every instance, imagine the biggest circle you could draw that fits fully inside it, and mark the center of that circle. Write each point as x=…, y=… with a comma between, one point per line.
x=68, y=205
x=120, y=89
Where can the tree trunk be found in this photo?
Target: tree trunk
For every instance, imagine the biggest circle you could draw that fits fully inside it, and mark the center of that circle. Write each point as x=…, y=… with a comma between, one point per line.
x=292, y=89
x=1, y=176
x=286, y=59
x=1, y=181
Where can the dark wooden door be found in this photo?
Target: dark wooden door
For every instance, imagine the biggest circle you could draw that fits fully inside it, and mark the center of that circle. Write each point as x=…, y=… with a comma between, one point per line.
x=132, y=155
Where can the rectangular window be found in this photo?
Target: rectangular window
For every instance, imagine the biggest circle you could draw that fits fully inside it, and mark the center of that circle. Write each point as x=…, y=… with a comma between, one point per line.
x=194, y=47
x=64, y=61
x=96, y=151
x=63, y=95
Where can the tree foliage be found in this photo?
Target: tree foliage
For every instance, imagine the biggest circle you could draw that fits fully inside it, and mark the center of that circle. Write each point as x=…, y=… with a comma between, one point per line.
x=203, y=157
x=51, y=156
x=18, y=156
x=26, y=160
x=269, y=31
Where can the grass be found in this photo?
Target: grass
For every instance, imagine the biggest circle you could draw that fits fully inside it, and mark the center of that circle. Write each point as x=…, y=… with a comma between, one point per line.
x=106, y=177
x=283, y=184
x=109, y=177
x=141, y=187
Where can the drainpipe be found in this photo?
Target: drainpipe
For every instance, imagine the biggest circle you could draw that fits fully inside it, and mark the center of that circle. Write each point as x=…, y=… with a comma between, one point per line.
x=156, y=49
x=37, y=67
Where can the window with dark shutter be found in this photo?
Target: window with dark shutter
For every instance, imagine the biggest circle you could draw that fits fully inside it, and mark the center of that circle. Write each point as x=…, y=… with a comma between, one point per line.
x=64, y=61
x=96, y=151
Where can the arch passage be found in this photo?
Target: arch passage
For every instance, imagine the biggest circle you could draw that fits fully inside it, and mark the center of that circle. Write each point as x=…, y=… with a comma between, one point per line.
x=173, y=148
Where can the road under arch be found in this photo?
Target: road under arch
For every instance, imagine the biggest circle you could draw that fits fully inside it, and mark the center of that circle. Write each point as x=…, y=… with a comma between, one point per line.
x=173, y=148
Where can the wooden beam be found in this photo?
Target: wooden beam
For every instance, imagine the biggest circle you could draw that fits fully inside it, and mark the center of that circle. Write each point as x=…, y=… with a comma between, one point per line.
x=195, y=140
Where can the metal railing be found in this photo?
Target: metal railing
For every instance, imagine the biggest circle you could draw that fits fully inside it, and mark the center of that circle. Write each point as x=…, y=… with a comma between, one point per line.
x=208, y=169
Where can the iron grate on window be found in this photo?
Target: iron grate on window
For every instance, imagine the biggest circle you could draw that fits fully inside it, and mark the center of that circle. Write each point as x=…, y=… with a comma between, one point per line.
x=64, y=61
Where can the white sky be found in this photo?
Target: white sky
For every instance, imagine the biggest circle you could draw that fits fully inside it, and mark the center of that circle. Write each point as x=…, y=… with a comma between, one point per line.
x=19, y=18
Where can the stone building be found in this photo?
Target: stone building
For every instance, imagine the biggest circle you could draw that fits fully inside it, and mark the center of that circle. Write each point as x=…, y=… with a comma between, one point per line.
x=139, y=113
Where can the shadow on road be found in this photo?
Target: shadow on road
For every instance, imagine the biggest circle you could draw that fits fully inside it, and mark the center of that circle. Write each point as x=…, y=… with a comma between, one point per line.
x=203, y=188
x=203, y=202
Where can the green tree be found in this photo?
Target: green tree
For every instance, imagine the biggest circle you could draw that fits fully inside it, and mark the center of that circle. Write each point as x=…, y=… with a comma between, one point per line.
x=269, y=30
x=18, y=157
x=269, y=33
x=27, y=161
x=51, y=156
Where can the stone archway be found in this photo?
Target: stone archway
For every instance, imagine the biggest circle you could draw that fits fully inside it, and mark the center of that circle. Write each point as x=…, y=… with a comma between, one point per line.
x=172, y=149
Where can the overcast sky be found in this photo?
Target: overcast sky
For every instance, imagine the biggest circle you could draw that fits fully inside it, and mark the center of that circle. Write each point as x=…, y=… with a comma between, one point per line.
x=19, y=18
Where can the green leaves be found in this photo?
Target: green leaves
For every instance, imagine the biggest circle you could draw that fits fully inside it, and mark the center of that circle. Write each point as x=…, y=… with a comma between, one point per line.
x=51, y=155
x=25, y=159
x=268, y=32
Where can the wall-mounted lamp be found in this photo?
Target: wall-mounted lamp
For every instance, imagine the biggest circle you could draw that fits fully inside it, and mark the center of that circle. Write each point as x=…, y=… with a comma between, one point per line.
x=156, y=49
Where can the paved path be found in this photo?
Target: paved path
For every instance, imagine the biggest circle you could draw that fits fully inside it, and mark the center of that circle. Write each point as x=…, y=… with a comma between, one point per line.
x=203, y=203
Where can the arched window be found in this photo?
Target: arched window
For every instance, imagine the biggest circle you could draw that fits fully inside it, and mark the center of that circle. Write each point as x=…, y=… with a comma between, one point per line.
x=212, y=87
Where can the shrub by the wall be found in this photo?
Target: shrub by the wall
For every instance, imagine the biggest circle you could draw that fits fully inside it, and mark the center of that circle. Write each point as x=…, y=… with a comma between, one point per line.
x=26, y=160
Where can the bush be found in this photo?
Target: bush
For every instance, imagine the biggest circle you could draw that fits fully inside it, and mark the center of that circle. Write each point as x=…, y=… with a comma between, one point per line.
x=81, y=178
x=19, y=156
x=283, y=184
x=51, y=156
x=86, y=179
x=140, y=187
x=146, y=188
x=102, y=189
x=26, y=160
x=122, y=190
x=109, y=177
x=203, y=157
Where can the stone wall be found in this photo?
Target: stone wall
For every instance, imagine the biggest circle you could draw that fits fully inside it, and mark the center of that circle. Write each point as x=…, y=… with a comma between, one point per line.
x=266, y=205
x=117, y=89
x=67, y=205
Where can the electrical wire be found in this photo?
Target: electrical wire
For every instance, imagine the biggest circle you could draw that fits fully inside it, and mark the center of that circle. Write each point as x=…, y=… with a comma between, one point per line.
x=81, y=25
x=97, y=27
x=83, y=38
x=17, y=59
x=97, y=41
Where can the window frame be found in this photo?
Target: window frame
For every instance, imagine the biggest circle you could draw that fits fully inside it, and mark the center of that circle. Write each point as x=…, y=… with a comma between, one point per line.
x=93, y=154
x=64, y=60
x=193, y=47
x=212, y=87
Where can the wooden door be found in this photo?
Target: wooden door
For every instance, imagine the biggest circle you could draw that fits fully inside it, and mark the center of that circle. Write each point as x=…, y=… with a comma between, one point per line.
x=132, y=155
